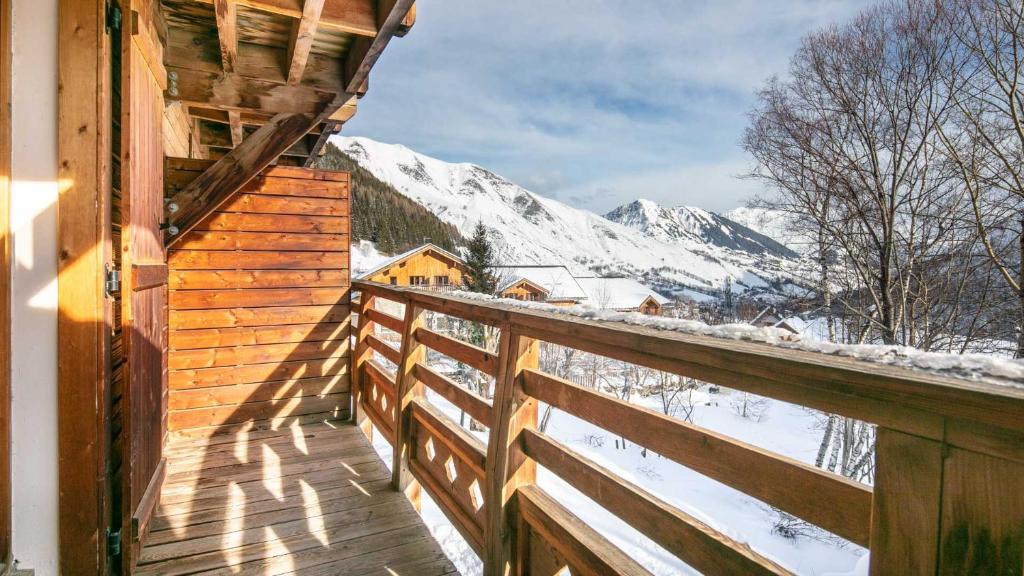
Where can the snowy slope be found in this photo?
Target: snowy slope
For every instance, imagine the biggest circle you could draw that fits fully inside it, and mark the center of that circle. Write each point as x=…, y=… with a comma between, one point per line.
x=687, y=223
x=772, y=223
x=530, y=229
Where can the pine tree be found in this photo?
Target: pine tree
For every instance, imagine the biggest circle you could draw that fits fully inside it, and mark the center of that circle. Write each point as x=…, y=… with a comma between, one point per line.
x=479, y=260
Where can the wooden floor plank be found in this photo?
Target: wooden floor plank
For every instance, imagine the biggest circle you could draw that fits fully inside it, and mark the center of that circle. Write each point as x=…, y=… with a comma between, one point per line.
x=312, y=500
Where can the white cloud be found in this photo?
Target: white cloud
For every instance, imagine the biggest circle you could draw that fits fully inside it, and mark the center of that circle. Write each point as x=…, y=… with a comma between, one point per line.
x=573, y=95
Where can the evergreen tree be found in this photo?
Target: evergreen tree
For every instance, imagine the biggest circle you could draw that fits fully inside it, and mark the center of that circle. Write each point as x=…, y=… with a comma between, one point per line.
x=479, y=260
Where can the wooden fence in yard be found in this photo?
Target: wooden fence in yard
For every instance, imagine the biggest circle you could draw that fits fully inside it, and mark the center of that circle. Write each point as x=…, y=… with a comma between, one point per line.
x=949, y=488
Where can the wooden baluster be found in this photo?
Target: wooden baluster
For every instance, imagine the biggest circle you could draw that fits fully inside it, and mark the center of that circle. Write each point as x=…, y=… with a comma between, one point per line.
x=408, y=387
x=907, y=493
x=508, y=467
x=363, y=352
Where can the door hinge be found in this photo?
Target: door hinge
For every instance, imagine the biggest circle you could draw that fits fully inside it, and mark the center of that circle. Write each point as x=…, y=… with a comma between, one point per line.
x=113, y=18
x=113, y=281
x=113, y=542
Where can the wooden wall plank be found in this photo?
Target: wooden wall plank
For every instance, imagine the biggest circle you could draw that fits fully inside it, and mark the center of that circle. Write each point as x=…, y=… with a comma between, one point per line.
x=5, y=283
x=259, y=304
x=83, y=133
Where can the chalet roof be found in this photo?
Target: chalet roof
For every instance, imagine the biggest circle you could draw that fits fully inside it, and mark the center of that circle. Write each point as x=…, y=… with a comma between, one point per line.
x=617, y=293
x=556, y=280
x=390, y=262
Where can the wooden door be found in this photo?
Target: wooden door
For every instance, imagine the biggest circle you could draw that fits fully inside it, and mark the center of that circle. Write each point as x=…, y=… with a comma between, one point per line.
x=144, y=274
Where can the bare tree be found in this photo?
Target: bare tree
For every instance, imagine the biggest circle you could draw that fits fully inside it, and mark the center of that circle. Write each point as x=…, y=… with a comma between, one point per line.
x=984, y=137
x=851, y=145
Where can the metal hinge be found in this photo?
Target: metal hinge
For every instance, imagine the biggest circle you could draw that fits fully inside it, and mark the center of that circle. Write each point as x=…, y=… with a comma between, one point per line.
x=113, y=17
x=113, y=542
x=113, y=282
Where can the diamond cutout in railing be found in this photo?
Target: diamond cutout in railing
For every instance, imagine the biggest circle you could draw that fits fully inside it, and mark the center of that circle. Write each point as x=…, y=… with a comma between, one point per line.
x=449, y=469
x=428, y=447
x=476, y=496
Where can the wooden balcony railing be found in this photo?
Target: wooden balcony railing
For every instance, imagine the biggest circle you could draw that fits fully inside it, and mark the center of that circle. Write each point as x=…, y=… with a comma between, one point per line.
x=948, y=496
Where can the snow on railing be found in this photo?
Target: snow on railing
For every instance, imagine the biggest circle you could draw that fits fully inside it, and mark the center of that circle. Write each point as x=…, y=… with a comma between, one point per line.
x=949, y=451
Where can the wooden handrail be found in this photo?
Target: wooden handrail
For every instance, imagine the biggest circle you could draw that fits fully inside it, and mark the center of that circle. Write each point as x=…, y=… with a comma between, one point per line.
x=950, y=452
x=467, y=401
x=473, y=356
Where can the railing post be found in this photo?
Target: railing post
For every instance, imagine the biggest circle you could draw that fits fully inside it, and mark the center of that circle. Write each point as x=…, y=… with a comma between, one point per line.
x=905, y=505
x=407, y=388
x=361, y=354
x=941, y=509
x=507, y=466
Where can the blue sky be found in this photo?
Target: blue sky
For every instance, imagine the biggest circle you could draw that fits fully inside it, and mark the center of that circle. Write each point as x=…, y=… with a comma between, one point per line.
x=593, y=102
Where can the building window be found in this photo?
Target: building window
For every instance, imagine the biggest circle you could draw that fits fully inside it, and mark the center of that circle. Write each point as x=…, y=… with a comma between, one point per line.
x=418, y=280
x=442, y=281
x=394, y=281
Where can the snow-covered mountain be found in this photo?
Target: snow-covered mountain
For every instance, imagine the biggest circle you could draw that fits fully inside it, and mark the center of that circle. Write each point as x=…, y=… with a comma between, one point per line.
x=668, y=254
x=774, y=224
x=687, y=223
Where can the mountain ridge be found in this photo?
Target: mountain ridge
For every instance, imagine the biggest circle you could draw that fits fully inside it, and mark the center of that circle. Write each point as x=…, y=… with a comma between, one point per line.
x=528, y=228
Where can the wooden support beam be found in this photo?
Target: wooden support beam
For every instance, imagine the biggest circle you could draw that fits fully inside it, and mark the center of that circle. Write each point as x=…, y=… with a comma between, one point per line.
x=227, y=31
x=363, y=53
x=83, y=227
x=235, y=121
x=234, y=92
x=330, y=128
x=301, y=42
x=195, y=50
x=509, y=467
x=229, y=174
x=351, y=16
x=363, y=353
x=409, y=387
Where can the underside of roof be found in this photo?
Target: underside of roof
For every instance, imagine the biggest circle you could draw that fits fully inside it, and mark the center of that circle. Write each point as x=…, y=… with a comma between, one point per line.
x=261, y=82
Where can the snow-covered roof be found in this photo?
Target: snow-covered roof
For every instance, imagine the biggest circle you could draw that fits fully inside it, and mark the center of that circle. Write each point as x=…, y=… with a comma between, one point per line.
x=617, y=293
x=381, y=266
x=556, y=280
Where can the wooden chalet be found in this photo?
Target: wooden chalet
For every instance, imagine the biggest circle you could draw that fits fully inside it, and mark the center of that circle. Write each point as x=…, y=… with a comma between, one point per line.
x=427, y=266
x=551, y=284
x=187, y=384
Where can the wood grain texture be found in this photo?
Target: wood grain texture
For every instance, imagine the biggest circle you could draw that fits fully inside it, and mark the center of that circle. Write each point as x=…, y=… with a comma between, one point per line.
x=837, y=504
x=259, y=314
x=243, y=504
x=5, y=282
x=907, y=494
x=693, y=541
x=83, y=228
x=585, y=551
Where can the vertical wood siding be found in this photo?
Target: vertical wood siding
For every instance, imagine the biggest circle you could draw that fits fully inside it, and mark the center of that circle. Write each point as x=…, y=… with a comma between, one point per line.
x=259, y=305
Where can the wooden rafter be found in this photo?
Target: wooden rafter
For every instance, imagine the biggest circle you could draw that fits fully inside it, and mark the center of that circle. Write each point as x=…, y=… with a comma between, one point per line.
x=227, y=32
x=303, y=34
x=233, y=92
x=235, y=121
x=299, y=109
x=352, y=16
x=229, y=174
x=330, y=129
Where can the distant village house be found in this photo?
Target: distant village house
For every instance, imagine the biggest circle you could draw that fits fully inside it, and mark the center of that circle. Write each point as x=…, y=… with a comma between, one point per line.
x=428, y=266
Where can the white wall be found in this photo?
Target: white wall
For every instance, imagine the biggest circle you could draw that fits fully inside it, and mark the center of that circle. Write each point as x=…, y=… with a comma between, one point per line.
x=34, y=287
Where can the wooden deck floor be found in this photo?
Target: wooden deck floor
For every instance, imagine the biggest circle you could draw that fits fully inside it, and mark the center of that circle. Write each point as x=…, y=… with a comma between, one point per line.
x=307, y=500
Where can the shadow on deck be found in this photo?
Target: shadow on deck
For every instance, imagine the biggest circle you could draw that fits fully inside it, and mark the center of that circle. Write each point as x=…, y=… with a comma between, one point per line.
x=312, y=499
